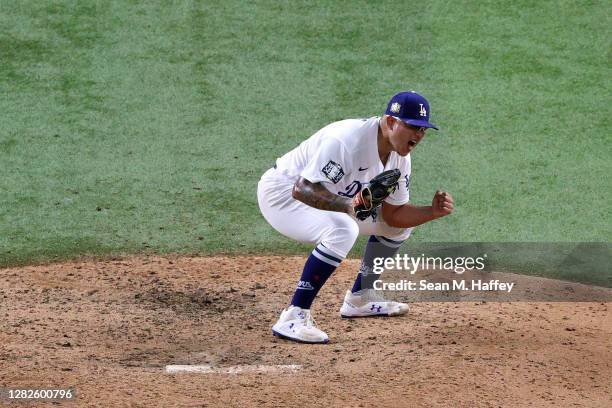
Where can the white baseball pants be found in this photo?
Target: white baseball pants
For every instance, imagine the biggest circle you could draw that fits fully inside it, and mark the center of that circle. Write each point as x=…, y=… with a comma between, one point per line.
x=298, y=221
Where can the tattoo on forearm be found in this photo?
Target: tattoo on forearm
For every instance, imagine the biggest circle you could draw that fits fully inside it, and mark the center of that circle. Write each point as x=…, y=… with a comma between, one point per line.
x=317, y=196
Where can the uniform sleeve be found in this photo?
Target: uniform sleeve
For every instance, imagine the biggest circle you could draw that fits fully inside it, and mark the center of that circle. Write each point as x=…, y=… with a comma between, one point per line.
x=401, y=196
x=331, y=163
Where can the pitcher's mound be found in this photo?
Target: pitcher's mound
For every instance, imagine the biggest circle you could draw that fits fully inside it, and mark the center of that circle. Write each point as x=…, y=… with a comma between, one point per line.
x=109, y=329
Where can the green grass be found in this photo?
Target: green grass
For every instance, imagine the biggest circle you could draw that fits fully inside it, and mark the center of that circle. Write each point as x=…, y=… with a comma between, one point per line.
x=131, y=127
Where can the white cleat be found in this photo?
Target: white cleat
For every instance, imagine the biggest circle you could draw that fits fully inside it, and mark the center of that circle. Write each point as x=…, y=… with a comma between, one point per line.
x=369, y=302
x=298, y=325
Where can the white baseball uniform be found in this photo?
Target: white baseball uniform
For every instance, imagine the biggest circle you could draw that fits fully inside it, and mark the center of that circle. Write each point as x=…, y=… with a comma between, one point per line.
x=343, y=156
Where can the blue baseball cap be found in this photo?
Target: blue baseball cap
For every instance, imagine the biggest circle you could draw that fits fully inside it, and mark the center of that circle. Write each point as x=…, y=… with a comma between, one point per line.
x=410, y=108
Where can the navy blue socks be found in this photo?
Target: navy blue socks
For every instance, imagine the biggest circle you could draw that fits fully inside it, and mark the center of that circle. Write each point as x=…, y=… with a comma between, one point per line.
x=377, y=247
x=322, y=262
x=319, y=266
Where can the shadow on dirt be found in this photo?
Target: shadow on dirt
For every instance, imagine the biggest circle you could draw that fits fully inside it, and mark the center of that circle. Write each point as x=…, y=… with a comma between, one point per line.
x=189, y=301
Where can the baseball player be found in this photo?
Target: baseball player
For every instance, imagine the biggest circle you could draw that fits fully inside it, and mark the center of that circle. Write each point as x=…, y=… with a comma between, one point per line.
x=324, y=192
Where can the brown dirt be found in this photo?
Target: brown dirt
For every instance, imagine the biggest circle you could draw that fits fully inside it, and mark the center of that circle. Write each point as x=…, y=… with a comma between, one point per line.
x=109, y=328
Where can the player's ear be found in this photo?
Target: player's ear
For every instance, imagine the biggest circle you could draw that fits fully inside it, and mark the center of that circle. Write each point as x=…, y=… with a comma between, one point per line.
x=389, y=121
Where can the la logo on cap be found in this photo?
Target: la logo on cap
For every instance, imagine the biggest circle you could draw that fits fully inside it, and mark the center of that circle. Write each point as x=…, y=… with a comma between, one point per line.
x=395, y=107
x=423, y=111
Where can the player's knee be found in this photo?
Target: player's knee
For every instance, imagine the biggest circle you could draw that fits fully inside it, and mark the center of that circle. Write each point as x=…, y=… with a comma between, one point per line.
x=400, y=234
x=349, y=229
x=395, y=234
x=341, y=235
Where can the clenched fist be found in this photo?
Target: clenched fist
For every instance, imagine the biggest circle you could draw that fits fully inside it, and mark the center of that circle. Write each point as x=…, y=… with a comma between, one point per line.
x=442, y=204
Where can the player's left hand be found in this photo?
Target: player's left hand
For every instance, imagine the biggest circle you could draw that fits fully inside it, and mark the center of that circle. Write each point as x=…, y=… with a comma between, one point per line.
x=442, y=204
x=372, y=196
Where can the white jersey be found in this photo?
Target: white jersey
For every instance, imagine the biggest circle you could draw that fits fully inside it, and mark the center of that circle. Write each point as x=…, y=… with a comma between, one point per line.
x=344, y=157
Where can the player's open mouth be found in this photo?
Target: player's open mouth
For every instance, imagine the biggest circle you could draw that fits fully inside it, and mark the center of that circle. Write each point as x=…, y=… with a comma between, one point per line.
x=411, y=143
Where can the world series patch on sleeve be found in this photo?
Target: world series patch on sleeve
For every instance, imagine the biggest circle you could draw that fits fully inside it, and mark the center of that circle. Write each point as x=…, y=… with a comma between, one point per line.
x=333, y=171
